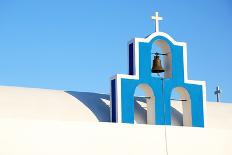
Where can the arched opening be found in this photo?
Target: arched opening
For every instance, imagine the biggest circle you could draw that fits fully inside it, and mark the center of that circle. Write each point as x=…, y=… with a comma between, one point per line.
x=180, y=107
x=144, y=105
x=162, y=47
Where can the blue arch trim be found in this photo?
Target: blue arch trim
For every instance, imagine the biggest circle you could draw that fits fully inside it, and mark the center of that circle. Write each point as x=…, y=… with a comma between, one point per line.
x=162, y=88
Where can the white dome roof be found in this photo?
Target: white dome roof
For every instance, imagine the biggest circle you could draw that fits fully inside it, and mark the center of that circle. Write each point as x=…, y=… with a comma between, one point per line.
x=44, y=104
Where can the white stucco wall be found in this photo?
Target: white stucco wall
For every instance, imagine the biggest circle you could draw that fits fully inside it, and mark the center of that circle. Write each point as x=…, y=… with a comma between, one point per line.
x=27, y=137
x=40, y=121
x=198, y=141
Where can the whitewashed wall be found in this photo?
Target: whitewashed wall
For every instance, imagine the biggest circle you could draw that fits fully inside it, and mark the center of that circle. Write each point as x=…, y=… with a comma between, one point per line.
x=62, y=138
x=38, y=121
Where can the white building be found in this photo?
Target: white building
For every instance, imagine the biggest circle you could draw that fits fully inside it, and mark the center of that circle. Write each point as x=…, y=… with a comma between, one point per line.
x=40, y=121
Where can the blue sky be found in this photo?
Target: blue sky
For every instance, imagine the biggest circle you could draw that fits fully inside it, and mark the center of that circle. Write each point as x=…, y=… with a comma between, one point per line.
x=78, y=45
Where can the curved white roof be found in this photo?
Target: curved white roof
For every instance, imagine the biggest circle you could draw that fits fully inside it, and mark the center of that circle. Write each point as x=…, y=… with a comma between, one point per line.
x=44, y=104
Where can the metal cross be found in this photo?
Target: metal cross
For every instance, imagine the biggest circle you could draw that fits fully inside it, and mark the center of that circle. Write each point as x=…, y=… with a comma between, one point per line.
x=156, y=18
x=217, y=93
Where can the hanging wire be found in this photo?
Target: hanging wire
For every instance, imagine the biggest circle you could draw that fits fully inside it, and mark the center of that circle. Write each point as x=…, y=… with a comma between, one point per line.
x=178, y=100
x=165, y=127
x=149, y=97
x=160, y=53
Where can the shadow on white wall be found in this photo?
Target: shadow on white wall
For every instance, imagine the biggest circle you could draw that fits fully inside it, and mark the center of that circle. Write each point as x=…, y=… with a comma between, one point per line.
x=97, y=103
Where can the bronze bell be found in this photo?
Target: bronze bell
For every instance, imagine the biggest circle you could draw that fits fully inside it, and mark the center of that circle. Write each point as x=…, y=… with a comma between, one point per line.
x=157, y=67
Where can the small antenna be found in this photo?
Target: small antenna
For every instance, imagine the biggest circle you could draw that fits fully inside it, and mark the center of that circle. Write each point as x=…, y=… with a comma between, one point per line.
x=217, y=93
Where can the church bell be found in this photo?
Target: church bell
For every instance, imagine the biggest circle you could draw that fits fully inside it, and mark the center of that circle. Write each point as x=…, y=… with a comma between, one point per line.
x=157, y=67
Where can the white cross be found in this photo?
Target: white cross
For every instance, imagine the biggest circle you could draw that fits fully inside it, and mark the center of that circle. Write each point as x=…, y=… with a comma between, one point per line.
x=156, y=18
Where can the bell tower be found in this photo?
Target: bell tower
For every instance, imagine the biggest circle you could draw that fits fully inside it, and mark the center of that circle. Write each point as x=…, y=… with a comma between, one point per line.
x=158, y=89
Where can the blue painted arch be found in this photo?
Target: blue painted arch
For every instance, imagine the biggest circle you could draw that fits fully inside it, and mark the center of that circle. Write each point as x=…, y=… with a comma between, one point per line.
x=140, y=72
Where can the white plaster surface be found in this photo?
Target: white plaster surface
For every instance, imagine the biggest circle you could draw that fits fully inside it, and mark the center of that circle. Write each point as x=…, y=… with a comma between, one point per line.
x=200, y=141
x=219, y=115
x=72, y=138
x=40, y=121
x=42, y=104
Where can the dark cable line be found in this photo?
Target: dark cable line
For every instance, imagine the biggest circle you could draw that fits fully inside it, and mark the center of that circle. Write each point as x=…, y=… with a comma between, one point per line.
x=165, y=127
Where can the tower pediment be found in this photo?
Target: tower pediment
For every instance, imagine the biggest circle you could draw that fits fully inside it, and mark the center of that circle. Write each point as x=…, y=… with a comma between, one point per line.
x=158, y=88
